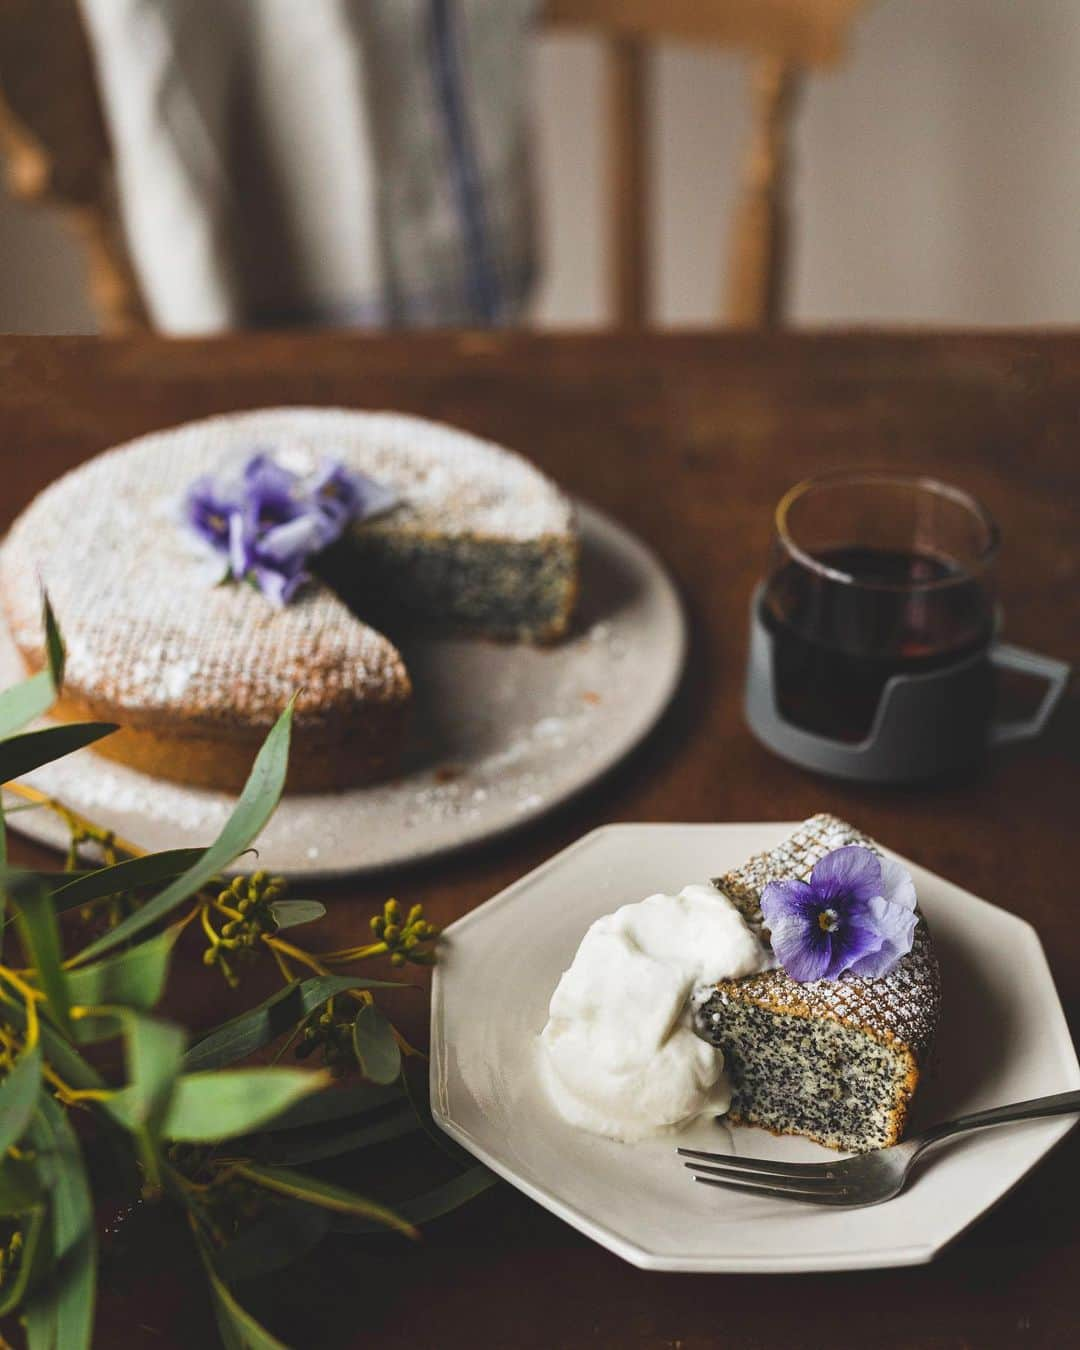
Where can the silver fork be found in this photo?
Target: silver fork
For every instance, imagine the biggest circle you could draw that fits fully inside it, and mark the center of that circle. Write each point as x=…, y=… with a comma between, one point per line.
x=867, y=1178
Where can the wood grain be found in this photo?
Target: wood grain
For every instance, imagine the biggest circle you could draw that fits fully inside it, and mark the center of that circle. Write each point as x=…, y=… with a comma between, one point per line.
x=628, y=189
x=690, y=440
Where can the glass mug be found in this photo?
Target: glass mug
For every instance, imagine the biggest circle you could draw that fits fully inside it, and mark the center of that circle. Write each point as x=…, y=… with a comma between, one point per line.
x=874, y=634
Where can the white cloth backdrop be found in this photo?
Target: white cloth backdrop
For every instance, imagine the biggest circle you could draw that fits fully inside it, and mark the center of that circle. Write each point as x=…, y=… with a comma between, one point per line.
x=321, y=161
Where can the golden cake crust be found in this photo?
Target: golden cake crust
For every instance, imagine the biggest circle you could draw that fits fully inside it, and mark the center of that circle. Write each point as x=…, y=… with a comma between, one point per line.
x=195, y=672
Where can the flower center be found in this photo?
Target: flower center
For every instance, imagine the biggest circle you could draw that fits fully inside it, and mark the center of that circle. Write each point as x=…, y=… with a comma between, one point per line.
x=828, y=920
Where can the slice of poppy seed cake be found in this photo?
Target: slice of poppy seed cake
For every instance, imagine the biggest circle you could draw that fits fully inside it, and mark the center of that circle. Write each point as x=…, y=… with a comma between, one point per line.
x=835, y=1060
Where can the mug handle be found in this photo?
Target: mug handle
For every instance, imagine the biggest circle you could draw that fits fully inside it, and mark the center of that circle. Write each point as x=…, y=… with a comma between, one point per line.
x=1005, y=656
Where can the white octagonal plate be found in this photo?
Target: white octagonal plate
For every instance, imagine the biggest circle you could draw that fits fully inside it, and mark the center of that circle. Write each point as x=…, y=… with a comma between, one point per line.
x=1003, y=1038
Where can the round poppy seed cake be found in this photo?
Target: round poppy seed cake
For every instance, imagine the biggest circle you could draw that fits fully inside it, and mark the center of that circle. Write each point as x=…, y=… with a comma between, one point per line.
x=196, y=672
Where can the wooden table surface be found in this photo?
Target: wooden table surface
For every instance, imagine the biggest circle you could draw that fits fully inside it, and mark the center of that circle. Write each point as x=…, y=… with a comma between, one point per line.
x=688, y=439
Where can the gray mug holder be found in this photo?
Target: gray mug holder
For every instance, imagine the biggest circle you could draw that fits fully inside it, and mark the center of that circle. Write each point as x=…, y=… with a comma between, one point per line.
x=924, y=724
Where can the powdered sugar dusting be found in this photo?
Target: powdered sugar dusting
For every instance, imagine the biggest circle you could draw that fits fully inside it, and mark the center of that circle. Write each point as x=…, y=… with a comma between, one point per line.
x=145, y=625
x=901, y=1006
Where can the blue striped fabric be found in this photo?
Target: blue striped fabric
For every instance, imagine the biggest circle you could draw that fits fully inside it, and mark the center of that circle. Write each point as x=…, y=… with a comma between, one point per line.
x=448, y=76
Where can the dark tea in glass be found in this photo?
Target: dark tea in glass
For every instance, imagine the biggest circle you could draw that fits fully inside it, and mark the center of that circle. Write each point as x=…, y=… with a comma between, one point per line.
x=872, y=575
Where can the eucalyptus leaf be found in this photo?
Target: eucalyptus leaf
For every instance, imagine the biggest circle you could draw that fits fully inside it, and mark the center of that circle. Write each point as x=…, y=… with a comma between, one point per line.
x=60, y=1310
x=30, y=749
x=338, y=1102
x=312, y=1191
x=286, y=1232
x=24, y=702
x=250, y=1031
x=13, y=1291
x=207, y=1107
x=61, y=1054
x=239, y=1330
x=21, y=1188
x=315, y=1144
x=18, y=1097
x=122, y=876
x=55, y=652
x=253, y=809
x=377, y=1050
x=292, y=913
x=154, y=1050
x=431, y=1204
x=135, y=978
x=41, y=938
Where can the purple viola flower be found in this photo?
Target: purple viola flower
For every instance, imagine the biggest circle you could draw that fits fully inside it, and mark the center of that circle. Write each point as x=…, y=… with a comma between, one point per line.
x=208, y=506
x=267, y=522
x=274, y=556
x=344, y=495
x=273, y=493
x=856, y=914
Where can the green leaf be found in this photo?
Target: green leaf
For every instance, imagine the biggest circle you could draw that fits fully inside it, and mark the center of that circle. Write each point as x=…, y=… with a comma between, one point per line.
x=318, y=1143
x=254, y=808
x=28, y=700
x=338, y=1102
x=154, y=1050
x=135, y=978
x=18, y=1097
x=239, y=1330
x=11, y=1295
x=60, y=1310
x=68, y=893
x=228, y=1102
x=25, y=701
x=431, y=1204
x=21, y=1187
x=285, y=1233
x=291, y=913
x=251, y=1030
x=64, y=1058
x=19, y=754
x=299, y=1186
x=376, y=1049
x=55, y=654
x=41, y=938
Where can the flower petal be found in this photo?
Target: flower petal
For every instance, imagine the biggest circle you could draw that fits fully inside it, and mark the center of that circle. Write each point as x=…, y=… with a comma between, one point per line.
x=896, y=884
x=241, y=539
x=780, y=898
x=802, y=947
x=856, y=939
x=851, y=872
x=292, y=541
x=896, y=925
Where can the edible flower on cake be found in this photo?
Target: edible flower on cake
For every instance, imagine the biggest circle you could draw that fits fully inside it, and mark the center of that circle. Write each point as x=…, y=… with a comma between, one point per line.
x=856, y=913
x=267, y=522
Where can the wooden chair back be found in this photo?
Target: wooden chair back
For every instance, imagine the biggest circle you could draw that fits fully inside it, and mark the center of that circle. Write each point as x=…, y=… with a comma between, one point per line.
x=54, y=141
x=782, y=38
x=55, y=149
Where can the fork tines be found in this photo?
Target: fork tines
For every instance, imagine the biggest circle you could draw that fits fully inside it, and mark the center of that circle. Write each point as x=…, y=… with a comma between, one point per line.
x=811, y=1183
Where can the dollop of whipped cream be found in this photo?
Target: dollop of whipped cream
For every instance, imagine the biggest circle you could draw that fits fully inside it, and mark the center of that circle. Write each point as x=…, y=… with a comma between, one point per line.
x=619, y=1052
